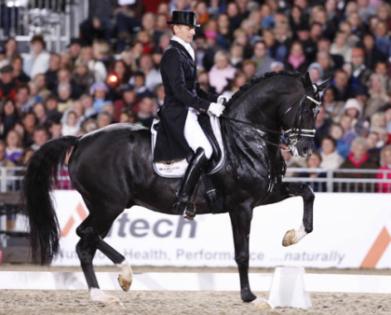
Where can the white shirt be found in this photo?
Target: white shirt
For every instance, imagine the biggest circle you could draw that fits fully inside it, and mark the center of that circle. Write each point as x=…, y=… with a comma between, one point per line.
x=187, y=46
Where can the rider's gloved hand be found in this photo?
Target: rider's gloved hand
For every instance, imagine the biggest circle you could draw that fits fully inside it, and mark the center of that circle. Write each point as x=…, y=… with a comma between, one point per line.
x=222, y=99
x=216, y=109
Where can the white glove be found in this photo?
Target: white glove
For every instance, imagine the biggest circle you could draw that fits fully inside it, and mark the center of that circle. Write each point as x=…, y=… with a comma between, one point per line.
x=221, y=99
x=216, y=109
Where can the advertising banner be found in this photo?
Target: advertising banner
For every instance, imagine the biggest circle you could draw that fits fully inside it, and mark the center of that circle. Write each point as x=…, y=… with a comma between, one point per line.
x=350, y=231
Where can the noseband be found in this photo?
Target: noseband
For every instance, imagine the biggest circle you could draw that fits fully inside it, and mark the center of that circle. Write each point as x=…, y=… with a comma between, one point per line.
x=297, y=132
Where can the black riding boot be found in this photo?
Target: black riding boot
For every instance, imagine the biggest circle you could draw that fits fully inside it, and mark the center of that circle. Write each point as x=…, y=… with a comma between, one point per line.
x=189, y=181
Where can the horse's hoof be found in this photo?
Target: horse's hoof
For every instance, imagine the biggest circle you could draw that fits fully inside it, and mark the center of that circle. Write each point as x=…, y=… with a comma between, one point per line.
x=124, y=282
x=99, y=296
x=125, y=278
x=247, y=296
x=289, y=238
x=262, y=304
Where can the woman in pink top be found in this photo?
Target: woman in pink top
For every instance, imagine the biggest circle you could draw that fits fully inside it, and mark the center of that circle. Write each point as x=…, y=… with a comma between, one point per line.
x=221, y=72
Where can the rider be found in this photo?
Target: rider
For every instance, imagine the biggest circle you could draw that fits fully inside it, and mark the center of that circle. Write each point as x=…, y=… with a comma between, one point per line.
x=182, y=105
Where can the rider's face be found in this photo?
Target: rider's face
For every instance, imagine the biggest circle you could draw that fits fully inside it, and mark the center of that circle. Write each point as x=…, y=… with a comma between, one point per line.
x=184, y=32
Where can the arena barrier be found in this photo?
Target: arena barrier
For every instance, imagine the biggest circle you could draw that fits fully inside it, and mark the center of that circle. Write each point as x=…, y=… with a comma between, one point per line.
x=350, y=231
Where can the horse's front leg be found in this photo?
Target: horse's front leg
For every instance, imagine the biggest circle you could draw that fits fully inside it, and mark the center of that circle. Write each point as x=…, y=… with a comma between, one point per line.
x=304, y=190
x=241, y=222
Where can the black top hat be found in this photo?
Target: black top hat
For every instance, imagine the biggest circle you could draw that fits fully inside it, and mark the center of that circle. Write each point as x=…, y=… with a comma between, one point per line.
x=184, y=18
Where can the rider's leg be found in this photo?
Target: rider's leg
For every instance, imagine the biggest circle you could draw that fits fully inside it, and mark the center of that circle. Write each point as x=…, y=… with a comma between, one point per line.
x=203, y=151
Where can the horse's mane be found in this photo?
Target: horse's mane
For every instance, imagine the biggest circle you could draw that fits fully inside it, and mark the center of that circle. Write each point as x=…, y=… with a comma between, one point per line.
x=257, y=80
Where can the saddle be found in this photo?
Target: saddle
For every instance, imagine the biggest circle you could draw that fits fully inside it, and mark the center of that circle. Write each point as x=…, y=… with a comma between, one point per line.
x=177, y=169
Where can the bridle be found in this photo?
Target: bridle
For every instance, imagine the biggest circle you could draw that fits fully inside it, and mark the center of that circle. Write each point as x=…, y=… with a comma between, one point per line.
x=292, y=133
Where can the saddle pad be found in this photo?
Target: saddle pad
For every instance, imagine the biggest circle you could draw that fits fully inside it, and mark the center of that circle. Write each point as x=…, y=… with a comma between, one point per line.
x=177, y=169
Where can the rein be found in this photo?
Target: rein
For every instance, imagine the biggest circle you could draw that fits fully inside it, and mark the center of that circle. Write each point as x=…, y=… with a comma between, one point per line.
x=292, y=132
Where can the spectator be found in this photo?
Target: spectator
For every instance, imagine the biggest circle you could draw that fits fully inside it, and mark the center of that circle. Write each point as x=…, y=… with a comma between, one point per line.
x=51, y=109
x=331, y=160
x=296, y=59
x=64, y=92
x=11, y=48
x=51, y=73
x=262, y=58
x=87, y=102
x=103, y=120
x=29, y=122
x=99, y=92
x=249, y=69
x=37, y=61
x=353, y=109
x=236, y=55
x=358, y=159
x=74, y=49
x=71, y=125
x=152, y=75
x=336, y=132
x=7, y=83
x=333, y=108
x=138, y=81
x=40, y=113
x=4, y=161
x=378, y=95
x=341, y=85
x=341, y=46
x=146, y=111
x=127, y=102
x=314, y=162
x=82, y=79
x=40, y=137
x=372, y=54
x=360, y=73
x=221, y=72
x=384, y=170
x=14, y=149
x=96, y=67
x=9, y=116
x=55, y=129
x=316, y=72
x=19, y=75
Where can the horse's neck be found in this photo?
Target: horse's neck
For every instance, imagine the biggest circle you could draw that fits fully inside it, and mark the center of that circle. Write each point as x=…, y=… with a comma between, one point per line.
x=258, y=112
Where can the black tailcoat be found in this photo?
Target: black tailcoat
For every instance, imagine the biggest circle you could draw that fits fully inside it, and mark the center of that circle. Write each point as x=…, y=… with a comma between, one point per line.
x=179, y=75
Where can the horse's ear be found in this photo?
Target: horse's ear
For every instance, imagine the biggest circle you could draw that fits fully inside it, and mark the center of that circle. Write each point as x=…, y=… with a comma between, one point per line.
x=306, y=80
x=323, y=85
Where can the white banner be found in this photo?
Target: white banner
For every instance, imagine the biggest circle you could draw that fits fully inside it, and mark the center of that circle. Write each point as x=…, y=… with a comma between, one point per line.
x=350, y=231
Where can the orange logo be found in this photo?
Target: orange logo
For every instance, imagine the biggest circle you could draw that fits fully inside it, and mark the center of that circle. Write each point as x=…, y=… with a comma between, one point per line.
x=81, y=212
x=377, y=250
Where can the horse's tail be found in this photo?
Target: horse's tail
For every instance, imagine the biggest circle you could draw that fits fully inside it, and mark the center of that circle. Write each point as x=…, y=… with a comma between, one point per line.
x=40, y=175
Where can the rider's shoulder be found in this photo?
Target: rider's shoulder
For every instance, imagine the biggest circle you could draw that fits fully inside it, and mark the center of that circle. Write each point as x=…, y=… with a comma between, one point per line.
x=171, y=52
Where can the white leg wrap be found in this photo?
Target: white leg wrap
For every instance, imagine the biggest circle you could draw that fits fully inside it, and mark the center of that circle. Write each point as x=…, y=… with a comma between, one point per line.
x=97, y=295
x=300, y=233
x=125, y=276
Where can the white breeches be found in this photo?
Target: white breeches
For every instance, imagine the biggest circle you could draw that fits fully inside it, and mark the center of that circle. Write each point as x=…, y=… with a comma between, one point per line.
x=194, y=134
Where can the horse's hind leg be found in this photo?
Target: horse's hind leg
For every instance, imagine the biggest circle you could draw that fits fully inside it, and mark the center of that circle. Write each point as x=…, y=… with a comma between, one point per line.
x=91, y=232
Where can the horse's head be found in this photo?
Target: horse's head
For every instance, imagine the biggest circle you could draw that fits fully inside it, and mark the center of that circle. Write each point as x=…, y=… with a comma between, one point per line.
x=299, y=118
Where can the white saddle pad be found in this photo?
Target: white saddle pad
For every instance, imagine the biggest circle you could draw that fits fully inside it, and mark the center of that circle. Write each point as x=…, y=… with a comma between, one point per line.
x=178, y=168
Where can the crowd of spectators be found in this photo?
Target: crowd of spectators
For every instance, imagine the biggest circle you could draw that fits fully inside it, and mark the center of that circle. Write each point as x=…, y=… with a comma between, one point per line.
x=110, y=73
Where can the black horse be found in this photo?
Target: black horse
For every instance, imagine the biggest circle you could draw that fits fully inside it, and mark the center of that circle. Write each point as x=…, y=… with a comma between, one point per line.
x=112, y=170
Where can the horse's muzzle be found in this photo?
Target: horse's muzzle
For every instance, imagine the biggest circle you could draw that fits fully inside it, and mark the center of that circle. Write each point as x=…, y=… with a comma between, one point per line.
x=305, y=147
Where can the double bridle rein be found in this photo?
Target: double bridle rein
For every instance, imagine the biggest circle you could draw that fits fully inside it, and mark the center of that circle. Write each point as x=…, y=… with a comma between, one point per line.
x=292, y=133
